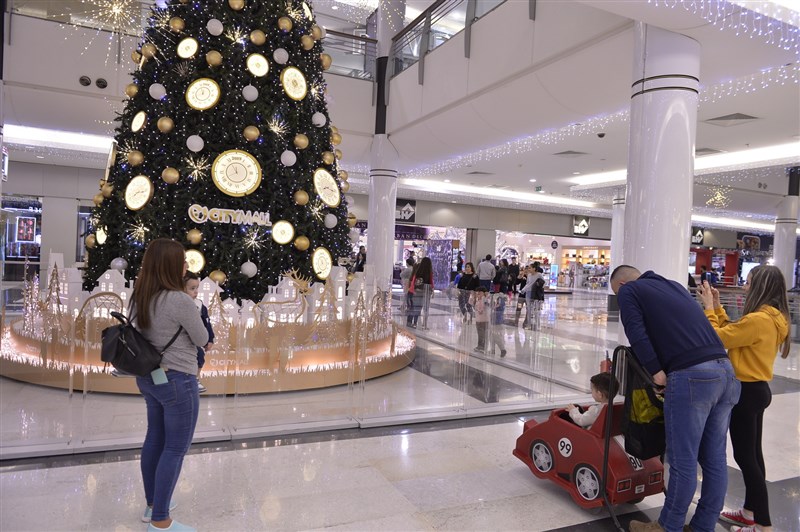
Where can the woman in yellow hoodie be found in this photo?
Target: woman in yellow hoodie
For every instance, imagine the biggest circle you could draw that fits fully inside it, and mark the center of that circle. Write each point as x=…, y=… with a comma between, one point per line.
x=753, y=343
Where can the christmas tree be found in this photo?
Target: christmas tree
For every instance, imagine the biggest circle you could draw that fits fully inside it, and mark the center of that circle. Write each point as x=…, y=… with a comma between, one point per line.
x=225, y=144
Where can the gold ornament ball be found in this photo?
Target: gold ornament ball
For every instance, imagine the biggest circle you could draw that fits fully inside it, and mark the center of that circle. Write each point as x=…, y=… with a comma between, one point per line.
x=306, y=42
x=351, y=219
x=170, y=175
x=336, y=139
x=316, y=32
x=165, y=124
x=334, y=129
x=338, y=153
x=285, y=24
x=135, y=157
x=350, y=277
x=136, y=56
x=343, y=175
x=302, y=243
x=149, y=50
x=218, y=276
x=301, y=197
x=326, y=60
x=107, y=190
x=301, y=141
x=236, y=5
x=194, y=236
x=327, y=157
x=131, y=90
x=176, y=24
x=345, y=186
x=91, y=241
x=214, y=58
x=258, y=37
x=98, y=199
x=251, y=133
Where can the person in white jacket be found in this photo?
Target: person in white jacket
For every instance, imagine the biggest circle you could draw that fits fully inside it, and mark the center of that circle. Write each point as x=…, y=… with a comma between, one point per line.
x=603, y=386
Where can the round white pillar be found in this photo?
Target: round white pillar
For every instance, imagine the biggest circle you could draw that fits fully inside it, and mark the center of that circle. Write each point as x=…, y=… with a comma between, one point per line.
x=663, y=121
x=617, y=230
x=785, y=244
x=382, y=202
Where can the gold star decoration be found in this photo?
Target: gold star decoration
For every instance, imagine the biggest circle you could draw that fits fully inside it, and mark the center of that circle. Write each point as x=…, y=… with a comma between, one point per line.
x=198, y=166
x=138, y=231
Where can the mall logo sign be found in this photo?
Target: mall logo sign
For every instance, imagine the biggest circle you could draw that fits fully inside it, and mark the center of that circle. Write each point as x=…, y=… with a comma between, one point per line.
x=697, y=236
x=405, y=210
x=580, y=225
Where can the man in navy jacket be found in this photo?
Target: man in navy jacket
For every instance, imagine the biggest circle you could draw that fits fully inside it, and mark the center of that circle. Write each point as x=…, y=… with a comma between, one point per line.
x=673, y=340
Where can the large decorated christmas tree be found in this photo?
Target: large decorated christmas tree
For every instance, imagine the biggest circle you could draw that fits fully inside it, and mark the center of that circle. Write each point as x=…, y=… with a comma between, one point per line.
x=225, y=144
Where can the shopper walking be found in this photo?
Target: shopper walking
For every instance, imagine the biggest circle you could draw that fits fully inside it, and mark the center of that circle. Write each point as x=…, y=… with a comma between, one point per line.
x=486, y=273
x=513, y=276
x=405, y=281
x=752, y=343
x=500, y=280
x=161, y=309
x=420, y=290
x=466, y=284
x=672, y=339
x=361, y=259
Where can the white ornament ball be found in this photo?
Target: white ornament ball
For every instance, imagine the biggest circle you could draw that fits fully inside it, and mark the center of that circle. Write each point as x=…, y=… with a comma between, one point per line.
x=250, y=93
x=214, y=27
x=355, y=234
x=280, y=56
x=157, y=91
x=350, y=200
x=318, y=119
x=249, y=269
x=288, y=158
x=119, y=264
x=323, y=32
x=195, y=143
x=330, y=221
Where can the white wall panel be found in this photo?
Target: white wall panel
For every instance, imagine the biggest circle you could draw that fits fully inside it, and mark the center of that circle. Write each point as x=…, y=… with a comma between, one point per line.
x=445, y=75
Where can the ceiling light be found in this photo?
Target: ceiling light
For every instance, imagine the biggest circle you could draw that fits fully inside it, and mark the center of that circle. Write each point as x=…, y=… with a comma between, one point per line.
x=52, y=138
x=454, y=188
x=755, y=155
x=576, y=173
x=602, y=177
x=532, y=180
x=541, y=192
x=40, y=156
x=733, y=222
x=446, y=180
x=454, y=201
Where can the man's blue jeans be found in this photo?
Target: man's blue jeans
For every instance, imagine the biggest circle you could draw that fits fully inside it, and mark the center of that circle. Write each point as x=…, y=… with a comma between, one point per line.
x=697, y=411
x=172, y=410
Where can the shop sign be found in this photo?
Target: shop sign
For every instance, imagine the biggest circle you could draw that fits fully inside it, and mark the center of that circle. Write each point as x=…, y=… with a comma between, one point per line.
x=697, y=236
x=580, y=225
x=405, y=210
x=554, y=244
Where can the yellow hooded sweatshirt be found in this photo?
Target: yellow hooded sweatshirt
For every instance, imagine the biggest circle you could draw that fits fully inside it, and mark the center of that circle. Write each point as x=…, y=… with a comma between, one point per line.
x=752, y=342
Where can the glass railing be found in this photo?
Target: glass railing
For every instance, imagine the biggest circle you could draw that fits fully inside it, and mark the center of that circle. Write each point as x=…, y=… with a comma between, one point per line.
x=353, y=55
x=434, y=27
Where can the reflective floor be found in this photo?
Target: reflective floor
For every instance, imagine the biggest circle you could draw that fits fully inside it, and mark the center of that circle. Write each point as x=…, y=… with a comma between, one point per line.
x=455, y=472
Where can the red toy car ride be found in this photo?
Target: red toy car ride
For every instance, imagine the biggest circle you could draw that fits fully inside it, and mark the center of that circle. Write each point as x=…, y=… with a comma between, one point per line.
x=572, y=457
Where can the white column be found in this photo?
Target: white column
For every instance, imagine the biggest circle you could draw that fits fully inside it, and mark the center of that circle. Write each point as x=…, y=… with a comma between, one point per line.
x=786, y=237
x=663, y=121
x=617, y=230
x=382, y=200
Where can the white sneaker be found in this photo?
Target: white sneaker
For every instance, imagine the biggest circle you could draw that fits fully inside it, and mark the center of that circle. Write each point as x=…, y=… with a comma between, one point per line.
x=201, y=388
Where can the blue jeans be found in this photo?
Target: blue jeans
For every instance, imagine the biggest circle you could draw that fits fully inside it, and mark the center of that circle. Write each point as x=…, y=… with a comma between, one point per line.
x=697, y=411
x=172, y=410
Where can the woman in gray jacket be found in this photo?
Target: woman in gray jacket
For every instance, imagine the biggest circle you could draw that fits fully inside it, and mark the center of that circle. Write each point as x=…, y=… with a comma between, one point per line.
x=161, y=310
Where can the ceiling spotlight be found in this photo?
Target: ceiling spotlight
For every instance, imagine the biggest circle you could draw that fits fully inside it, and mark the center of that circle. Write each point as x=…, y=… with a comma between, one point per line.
x=446, y=180
x=576, y=173
x=532, y=180
x=541, y=192
x=454, y=201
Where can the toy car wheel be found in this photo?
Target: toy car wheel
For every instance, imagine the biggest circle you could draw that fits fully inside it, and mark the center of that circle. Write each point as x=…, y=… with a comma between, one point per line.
x=587, y=482
x=542, y=456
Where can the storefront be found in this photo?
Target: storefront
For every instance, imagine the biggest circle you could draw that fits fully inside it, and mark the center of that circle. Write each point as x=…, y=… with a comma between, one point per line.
x=567, y=261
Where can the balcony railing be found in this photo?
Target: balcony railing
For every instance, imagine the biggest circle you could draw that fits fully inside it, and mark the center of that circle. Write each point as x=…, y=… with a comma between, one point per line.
x=434, y=27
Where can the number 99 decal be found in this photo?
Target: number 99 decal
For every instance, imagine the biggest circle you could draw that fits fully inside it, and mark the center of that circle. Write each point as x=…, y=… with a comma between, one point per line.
x=565, y=447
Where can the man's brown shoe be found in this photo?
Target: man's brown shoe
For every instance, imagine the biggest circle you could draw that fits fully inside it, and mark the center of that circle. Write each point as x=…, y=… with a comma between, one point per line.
x=641, y=526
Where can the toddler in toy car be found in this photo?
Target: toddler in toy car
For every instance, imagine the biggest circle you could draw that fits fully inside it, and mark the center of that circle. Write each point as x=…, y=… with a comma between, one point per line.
x=604, y=385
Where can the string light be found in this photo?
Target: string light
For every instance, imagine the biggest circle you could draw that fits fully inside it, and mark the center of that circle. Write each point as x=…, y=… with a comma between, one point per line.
x=237, y=35
x=746, y=84
x=293, y=12
x=278, y=126
x=758, y=20
x=254, y=239
x=184, y=69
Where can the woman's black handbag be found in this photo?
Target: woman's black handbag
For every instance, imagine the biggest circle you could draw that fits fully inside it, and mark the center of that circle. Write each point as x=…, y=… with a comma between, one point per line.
x=128, y=350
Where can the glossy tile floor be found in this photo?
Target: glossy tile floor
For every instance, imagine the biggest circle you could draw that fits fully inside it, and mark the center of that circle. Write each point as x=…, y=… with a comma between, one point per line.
x=456, y=474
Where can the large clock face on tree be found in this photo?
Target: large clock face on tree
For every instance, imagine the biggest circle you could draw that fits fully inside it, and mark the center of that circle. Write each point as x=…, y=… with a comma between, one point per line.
x=236, y=173
x=322, y=262
x=326, y=187
x=294, y=83
x=138, y=193
x=202, y=94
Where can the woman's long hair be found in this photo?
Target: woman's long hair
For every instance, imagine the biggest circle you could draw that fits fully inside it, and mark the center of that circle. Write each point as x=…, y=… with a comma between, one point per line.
x=768, y=287
x=425, y=270
x=471, y=267
x=162, y=269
